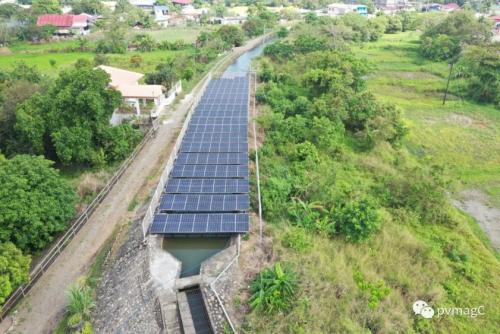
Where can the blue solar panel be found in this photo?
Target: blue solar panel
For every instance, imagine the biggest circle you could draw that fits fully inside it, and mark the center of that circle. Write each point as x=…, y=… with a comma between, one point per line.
x=218, y=128
x=204, y=203
x=210, y=171
x=200, y=223
x=218, y=120
x=207, y=190
x=212, y=159
x=207, y=186
x=202, y=137
x=214, y=147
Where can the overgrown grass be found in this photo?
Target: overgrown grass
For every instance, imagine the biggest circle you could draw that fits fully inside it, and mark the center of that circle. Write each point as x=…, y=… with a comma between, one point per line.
x=462, y=135
x=447, y=264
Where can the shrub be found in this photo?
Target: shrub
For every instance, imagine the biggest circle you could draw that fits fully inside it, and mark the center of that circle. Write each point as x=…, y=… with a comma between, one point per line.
x=14, y=269
x=297, y=239
x=80, y=301
x=273, y=290
x=356, y=220
x=376, y=291
x=232, y=35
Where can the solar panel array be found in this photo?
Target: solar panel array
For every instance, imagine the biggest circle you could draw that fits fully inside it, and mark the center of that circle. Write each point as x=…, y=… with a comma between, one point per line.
x=207, y=190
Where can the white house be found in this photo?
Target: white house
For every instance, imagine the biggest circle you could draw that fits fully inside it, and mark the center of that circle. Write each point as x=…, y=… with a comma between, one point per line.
x=127, y=83
x=161, y=15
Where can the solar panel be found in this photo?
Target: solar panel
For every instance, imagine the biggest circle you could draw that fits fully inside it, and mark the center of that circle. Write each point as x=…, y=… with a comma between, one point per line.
x=213, y=147
x=207, y=190
x=200, y=223
x=201, y=137
x=218, y=128
x=207, y=186
x=219, y=120
x=210, y=171
x=212, y=159
x=204, y=203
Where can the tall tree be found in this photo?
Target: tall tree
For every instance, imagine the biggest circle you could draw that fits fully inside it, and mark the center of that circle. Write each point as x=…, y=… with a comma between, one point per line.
x=35, y=202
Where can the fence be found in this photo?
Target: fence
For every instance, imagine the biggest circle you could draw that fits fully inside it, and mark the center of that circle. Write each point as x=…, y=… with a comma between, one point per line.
x=39, y=269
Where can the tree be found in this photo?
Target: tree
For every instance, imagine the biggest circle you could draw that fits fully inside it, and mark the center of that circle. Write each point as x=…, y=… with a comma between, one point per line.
x=253, y=27
x=394, y=25
x=164, y=75
x=40, y=7
x=14, y=269
x=93, y=7
x=231, y=35
x=70, y=122
x=114, y=40
x=35, y=202
x=144, y=42
x=446, y=38
x=13, y=95
x=481, y=67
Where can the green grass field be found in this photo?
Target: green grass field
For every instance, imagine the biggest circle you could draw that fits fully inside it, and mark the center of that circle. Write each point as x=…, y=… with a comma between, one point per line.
x=41, y=55
x=462, y=135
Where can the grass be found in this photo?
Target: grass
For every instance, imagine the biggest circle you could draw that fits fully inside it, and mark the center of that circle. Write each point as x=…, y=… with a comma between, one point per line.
x=447, y=265
x=462, y=135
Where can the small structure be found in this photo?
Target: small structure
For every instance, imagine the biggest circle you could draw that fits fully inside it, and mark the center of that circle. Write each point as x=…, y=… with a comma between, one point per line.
x=182, y=3
x=161, y=15
x=146, y=5
x=431, y=7
x=229, y=20
x=336, y=9
x=450, y=7
x=127, y=83
x=66, y=24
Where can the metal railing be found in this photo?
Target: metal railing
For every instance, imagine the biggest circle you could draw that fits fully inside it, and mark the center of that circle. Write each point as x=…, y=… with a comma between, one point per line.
x=40, y=268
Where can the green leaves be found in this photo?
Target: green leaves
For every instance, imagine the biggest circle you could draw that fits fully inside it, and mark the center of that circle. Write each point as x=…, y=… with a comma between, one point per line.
x=273, y=290
x=357, y=220
x=35, y=203
x=72, y=118
x=376, y=292
x=14, y=269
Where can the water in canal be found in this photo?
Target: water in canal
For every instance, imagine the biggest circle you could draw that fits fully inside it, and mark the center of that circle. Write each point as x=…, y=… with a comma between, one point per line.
x=193, y=251
x=242, y=63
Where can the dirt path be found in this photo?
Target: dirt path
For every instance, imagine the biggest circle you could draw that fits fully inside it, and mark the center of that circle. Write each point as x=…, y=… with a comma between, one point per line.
x=40, y=311
x=475, y=204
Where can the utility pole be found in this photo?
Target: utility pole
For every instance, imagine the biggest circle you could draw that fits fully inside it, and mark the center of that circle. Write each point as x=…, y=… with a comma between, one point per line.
x=448, y=83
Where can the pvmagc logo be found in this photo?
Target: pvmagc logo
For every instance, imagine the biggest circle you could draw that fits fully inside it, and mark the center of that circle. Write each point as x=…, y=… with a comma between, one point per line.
x=422, y=308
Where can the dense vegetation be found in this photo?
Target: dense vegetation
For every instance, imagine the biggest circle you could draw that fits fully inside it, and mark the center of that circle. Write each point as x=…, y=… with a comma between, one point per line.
x=364, y=222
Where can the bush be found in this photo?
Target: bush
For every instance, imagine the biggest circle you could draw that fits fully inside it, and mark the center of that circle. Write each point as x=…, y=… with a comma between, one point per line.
x=273, y=290
x=297, y=239
x=376, y=291
x=14, y=269
x=394, y=25
x=80, y=301
x=356, y=220
x=231, y=35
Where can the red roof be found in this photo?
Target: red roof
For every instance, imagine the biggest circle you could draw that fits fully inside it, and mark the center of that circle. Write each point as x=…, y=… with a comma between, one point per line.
x=60, y=21
x=451, y=6
x=182, y=2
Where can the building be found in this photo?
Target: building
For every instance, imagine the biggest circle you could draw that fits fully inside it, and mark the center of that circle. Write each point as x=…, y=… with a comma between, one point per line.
x=182, y=3
x=336, y=9
x=66, y=24
x=161, y=15
x=450, y=7
x=431, y=7
x=133, y=93
x=146, y=5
